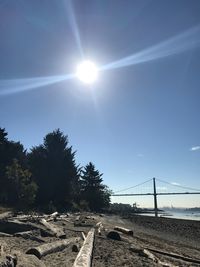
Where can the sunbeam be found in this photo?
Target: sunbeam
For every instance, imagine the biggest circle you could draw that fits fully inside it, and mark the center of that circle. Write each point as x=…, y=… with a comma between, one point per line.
x=175, y=45
x=14, y=86
x=74, y=26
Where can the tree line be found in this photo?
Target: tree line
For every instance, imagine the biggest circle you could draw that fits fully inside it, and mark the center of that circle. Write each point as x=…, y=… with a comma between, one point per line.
x=48, y=177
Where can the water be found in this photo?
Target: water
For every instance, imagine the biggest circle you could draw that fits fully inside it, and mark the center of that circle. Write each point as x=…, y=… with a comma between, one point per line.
x=178, y=214
x=182, y=214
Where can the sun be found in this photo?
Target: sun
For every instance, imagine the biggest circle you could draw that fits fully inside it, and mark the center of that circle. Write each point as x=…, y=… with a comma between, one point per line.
x=87, y=72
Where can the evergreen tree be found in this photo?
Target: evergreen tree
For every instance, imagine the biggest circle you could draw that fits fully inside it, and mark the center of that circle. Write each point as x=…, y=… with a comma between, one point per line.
x=9, y=150
x=93, y=191
x=21, y=190
x=55, y=171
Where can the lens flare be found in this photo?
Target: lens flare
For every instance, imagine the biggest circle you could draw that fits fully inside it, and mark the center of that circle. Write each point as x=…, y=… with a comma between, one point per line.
x=180, y=43
x=14, y=86
x=87, y=72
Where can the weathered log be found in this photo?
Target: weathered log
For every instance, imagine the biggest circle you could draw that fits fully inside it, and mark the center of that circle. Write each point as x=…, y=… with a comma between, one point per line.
x=123, y=230
x=32, y=235
x=22, y=218
x=5, y=215
x=52, y=247
x=84, y=257
x=58, y=232
x=66, y=215
x=53, y=217
x=54, y=214
x=13, y=226
x=4, y=234
x=147, y=254
x=174, y=255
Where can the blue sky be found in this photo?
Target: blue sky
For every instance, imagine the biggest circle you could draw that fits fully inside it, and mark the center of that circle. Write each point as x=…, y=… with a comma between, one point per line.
x=141, y=118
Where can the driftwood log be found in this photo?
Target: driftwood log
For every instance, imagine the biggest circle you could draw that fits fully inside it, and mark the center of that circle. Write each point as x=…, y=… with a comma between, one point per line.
x=174, y=255
x=147, y=254
x=84, y=257
x=52, y=247
x=57, y=231
x=13, y=226
x=5, y=215
x=53, y=217
x=4, y=234
x=32, y=235
x=123, y=230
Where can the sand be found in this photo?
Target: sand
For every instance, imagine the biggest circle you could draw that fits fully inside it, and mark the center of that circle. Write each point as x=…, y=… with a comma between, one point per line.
x=169, y=235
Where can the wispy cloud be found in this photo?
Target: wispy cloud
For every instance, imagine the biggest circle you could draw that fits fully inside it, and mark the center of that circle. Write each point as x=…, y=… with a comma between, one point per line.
x=175, y=183
x=195, y=148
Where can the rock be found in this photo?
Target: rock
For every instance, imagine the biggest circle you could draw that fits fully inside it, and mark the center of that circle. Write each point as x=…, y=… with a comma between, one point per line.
x=75, y=248
x=114, y=235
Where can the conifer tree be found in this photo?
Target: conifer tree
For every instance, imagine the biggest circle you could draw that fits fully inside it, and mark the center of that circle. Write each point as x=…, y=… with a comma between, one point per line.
x=55, y=171
x=93, y=191
x=21, y=190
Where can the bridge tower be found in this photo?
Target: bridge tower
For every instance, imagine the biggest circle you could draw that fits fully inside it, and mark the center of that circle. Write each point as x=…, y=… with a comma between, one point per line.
x=155, y=198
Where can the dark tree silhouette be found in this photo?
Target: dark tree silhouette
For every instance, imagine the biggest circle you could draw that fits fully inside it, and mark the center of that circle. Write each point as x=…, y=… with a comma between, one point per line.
x=55, y=171
x=93, y=191
x=21, y=190
x=9, y=150
x=48, y=176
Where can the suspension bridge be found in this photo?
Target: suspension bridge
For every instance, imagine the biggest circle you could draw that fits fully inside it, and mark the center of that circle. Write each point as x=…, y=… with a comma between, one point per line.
x=156, y=190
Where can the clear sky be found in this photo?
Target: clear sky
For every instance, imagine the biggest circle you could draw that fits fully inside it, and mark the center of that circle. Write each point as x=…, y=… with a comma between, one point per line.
x=140, y=119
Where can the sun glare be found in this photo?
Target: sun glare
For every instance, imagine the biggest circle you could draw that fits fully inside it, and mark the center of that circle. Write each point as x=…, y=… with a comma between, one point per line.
x=87, y=72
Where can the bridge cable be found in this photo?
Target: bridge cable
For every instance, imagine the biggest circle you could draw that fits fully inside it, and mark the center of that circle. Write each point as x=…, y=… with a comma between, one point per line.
x=132, y=186
x=184, y=187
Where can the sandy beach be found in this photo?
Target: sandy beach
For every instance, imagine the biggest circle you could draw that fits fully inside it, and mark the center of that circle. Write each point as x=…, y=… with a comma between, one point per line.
x=169, y=242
